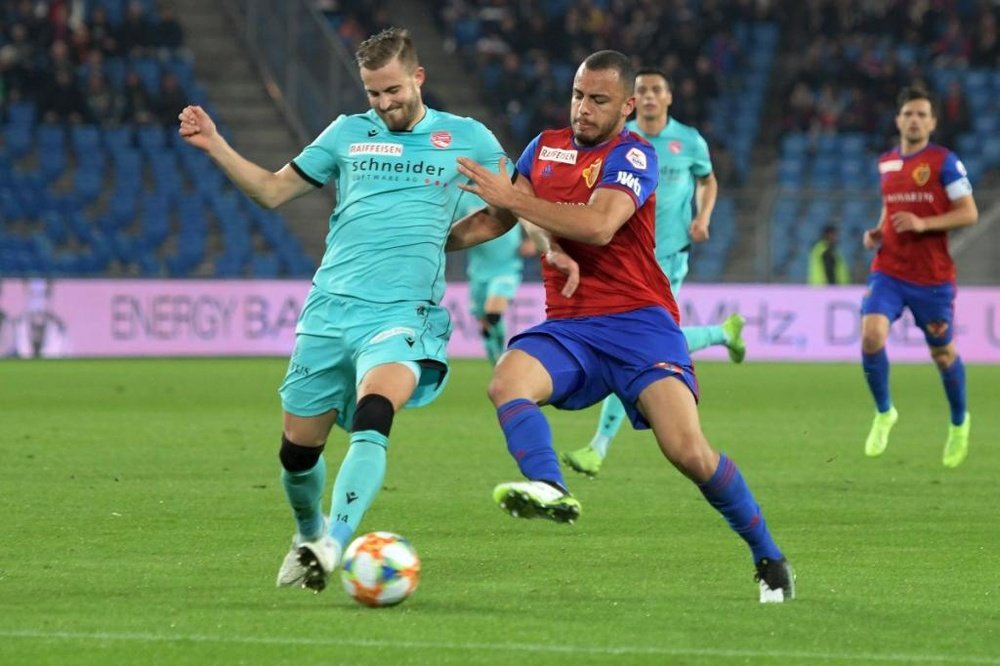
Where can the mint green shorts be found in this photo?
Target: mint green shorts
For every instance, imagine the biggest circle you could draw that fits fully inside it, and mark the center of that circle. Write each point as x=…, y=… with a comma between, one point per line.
x=338, y=340
x=480, y=291
x=675, y=267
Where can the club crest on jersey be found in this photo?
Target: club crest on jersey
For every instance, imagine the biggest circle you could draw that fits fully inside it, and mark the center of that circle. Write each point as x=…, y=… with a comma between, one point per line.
x=441, y=139
x=547, y=154
x=922, y=174
x=937, y=329
x=675, y=147
x=636, y=158
x=591, y=173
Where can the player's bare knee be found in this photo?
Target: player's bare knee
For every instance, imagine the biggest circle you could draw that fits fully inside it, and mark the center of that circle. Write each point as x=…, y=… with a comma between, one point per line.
x=943, y=356
x=500, y=390
x=872, y=341
x=691, y=454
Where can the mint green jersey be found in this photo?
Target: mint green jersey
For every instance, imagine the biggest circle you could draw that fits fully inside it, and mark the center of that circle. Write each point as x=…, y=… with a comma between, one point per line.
x=683, y=156
x=397, y=197
x=496, y=257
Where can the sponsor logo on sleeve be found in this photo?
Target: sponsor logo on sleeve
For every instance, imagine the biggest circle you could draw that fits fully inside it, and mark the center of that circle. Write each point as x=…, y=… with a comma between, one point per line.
x=631, y=181
x=961, y=169
x=547, y=154
x=888, y=166
x=375, y=148
x=636, y=158
x=441, y=139
x=921, y=174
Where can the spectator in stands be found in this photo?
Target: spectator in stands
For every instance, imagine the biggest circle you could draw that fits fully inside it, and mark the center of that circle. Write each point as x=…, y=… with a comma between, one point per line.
x=826, y=264
x=985, y=49
x=102, y=35
x=168, y=34
x=138, y=106
x=62, y=101
x=103, y=105
x=171, y=99
x=954, y=117
x=136, y=34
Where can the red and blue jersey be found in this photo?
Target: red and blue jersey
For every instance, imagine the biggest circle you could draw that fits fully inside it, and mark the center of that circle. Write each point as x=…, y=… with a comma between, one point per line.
x=622, y=275
x=923, y=183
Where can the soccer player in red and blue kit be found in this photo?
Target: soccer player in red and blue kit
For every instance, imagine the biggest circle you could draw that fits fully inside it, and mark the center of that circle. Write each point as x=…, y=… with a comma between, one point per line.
x=591, y=188
x=925, y=193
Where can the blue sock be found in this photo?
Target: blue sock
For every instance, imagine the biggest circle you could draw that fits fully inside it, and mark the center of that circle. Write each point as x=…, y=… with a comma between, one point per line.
x=700, y=337
x=529, y=441
x=305, y=493
x=728, y=493
x=876, y=367
x=954, y=388
x=358, y=482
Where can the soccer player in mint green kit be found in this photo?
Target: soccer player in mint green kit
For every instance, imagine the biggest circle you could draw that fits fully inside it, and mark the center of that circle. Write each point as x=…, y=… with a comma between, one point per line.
x=372, y=334
x=685, y=173
x=494, y=270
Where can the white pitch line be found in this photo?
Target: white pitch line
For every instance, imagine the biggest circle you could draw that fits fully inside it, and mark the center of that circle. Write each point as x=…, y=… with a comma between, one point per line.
x=497, y=647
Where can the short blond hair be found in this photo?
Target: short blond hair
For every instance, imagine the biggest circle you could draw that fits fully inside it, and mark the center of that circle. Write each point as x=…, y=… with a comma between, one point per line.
x=379, y=50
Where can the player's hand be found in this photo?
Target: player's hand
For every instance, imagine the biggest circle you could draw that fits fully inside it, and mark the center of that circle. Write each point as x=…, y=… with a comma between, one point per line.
x=699, y=229
x=527, y=248
x=906, y=221
x=492, y=187
x=566, y=265
x=196, y=127
x=872, y=238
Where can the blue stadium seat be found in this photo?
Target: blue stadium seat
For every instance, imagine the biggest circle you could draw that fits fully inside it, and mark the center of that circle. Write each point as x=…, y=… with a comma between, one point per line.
x=21, y=114
x=85, y=139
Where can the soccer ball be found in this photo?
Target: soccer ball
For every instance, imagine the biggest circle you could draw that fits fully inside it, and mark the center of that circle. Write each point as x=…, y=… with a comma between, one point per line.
x=380, y=569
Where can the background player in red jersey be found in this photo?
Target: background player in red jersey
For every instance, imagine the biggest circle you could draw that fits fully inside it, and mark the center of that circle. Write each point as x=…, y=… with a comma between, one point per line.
x=925, y=194
x=591, y=187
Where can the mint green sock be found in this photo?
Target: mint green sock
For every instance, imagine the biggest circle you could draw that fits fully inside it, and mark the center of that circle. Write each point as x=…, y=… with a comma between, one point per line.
x=612, y=417
x=305, y=493
x=358, y=482
x=495, y=341
x=699, y=337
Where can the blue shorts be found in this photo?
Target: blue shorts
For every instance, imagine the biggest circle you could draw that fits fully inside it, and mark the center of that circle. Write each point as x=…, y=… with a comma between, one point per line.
x=933, y=306
x=481, y=291
x=589, y=358
x=338, y=340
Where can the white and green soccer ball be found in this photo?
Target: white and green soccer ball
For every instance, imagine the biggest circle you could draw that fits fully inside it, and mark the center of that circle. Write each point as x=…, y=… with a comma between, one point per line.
x=380, y=569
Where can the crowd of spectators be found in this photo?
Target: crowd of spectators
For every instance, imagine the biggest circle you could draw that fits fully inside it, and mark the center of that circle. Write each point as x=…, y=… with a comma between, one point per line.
x=527, y=52
x=853, y=56
x=76, y=66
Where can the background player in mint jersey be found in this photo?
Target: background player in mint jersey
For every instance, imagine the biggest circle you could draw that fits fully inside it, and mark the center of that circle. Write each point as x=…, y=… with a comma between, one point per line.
x=494, y=270
x=372, y=334
x=925, y=194
x=685, y=175
x=591, y=187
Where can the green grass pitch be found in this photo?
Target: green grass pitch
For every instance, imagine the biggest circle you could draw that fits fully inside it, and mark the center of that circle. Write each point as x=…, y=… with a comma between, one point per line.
x=143, y=521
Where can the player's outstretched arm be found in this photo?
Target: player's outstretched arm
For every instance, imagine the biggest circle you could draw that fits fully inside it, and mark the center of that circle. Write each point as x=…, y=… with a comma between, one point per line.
x=872, y=237
x=705, y=195
x=268, y=189
x=594, y=224
x=963, y=213
x=483, y=225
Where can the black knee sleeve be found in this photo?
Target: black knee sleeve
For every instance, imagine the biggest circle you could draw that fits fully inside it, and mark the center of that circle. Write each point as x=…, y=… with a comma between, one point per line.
x=374, y=412
x=296, y=458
